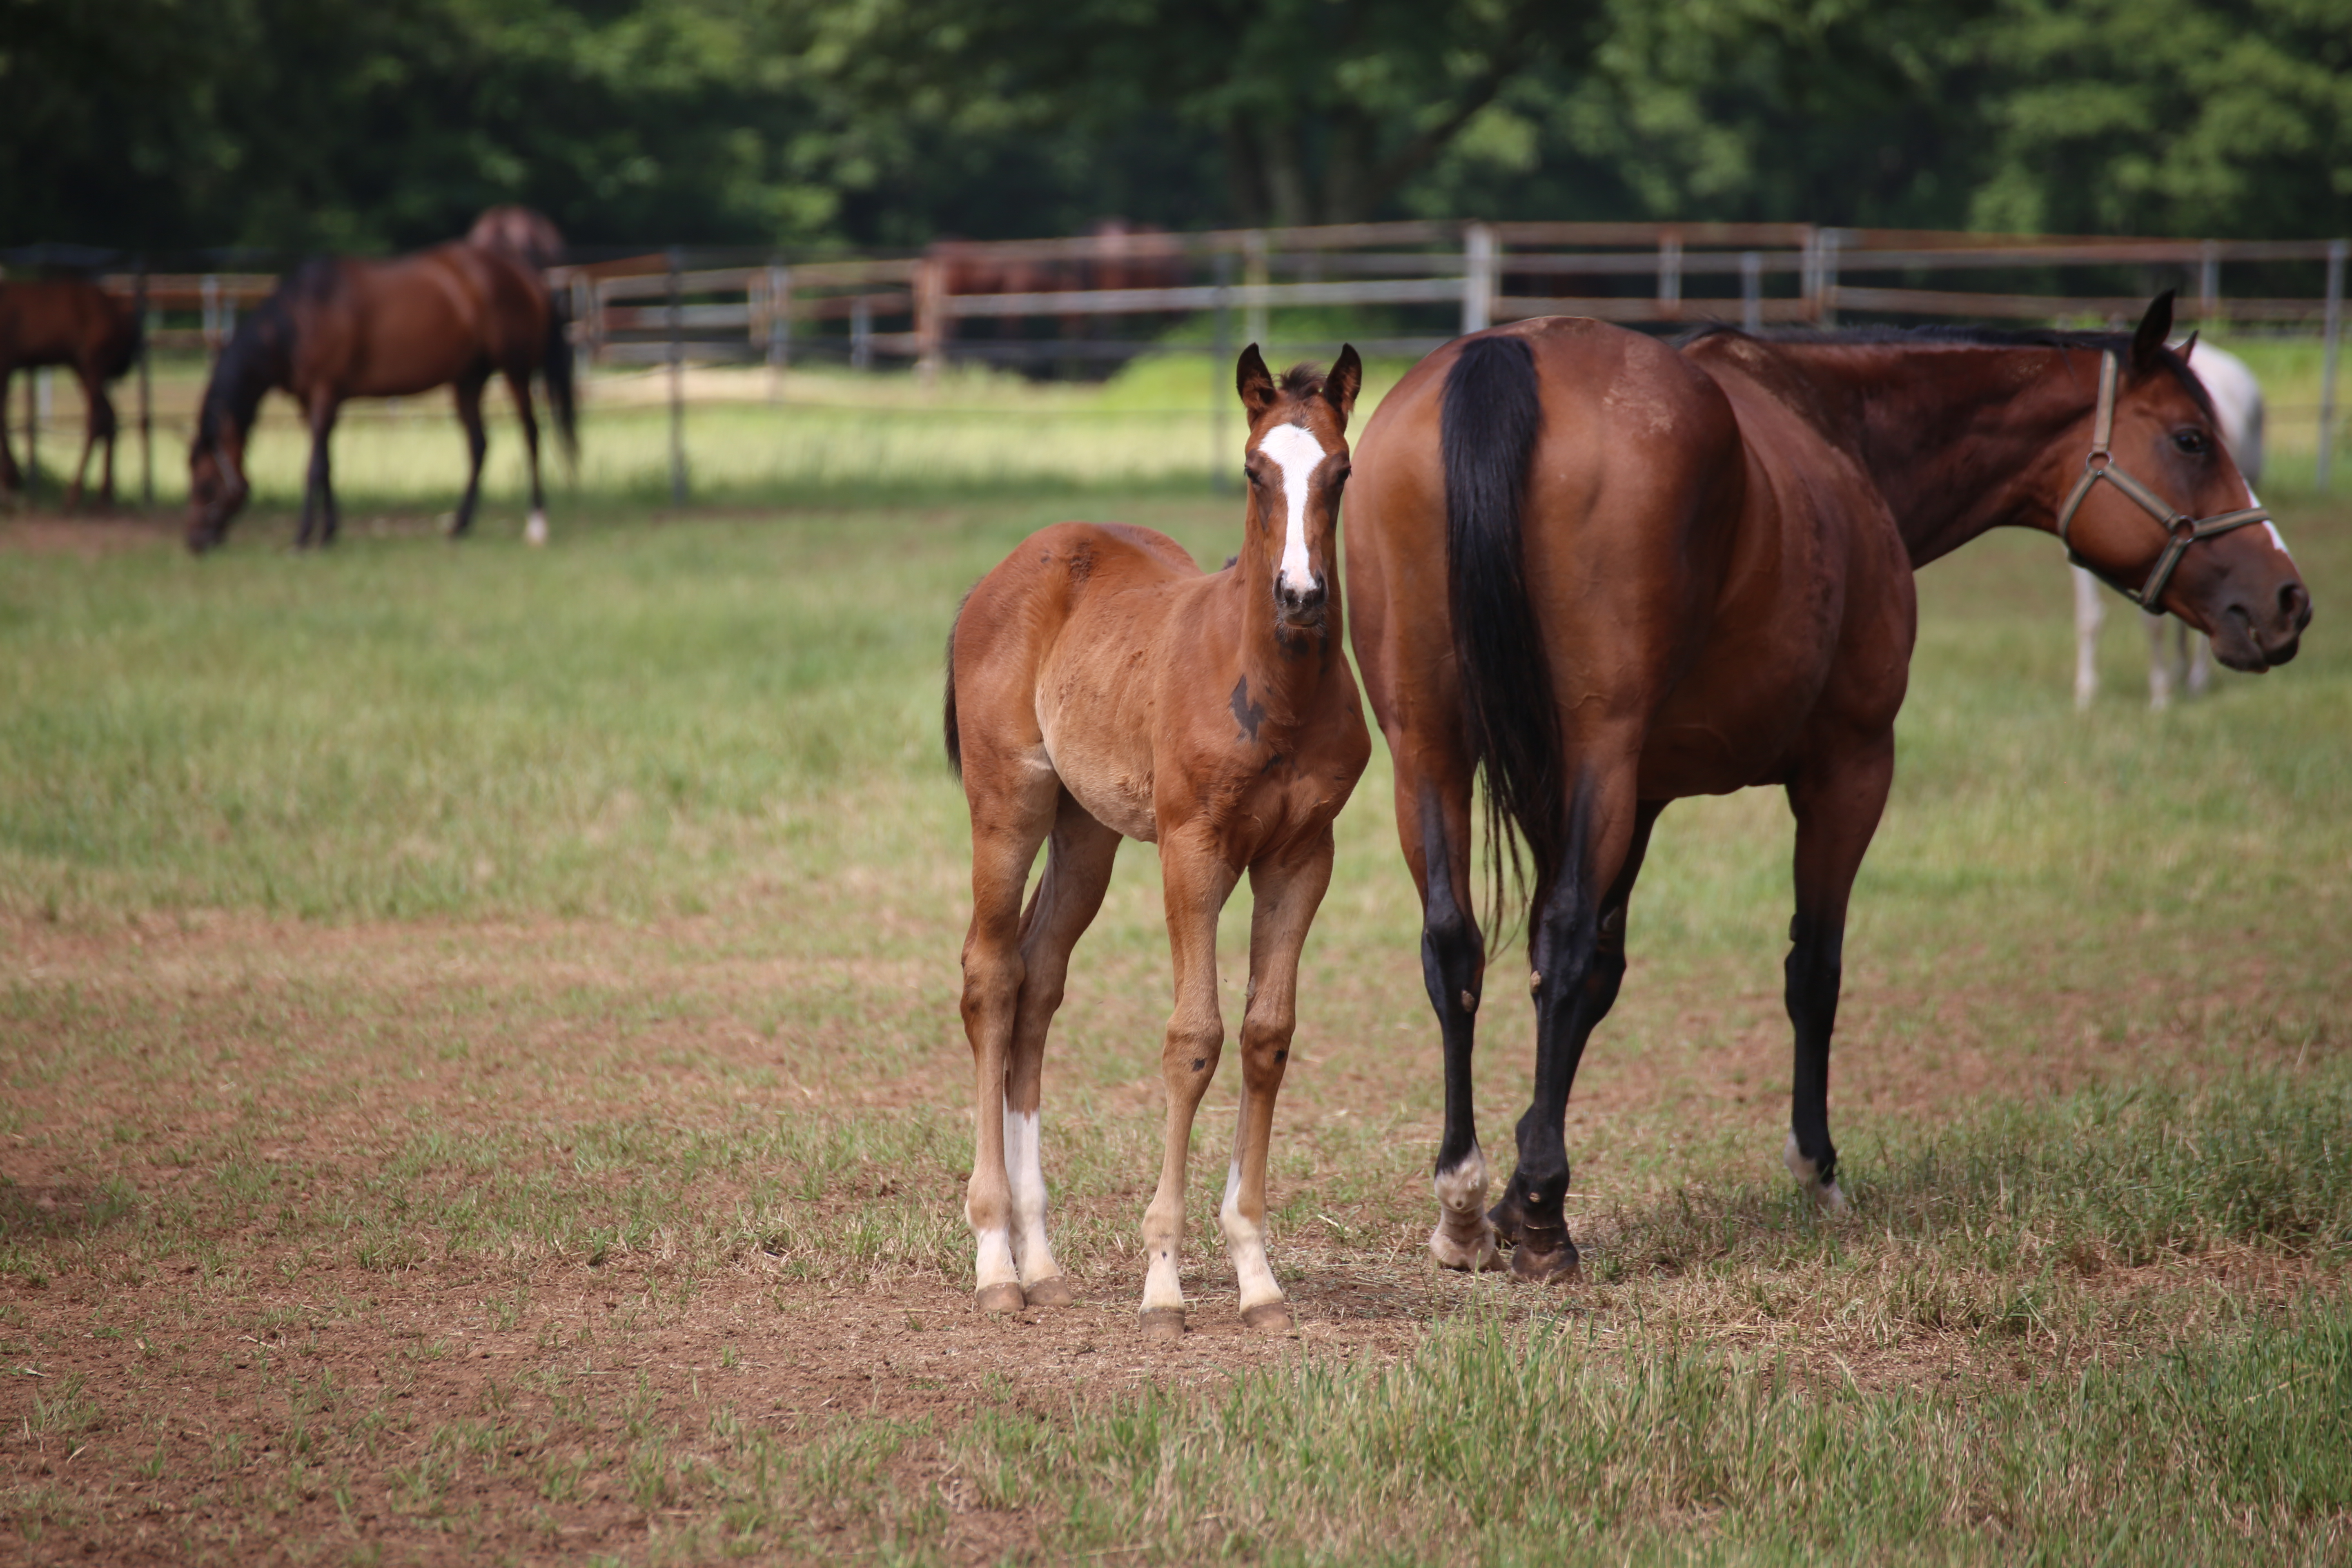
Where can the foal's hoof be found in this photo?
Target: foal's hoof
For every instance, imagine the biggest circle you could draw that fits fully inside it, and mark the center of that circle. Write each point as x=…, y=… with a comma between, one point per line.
x=1266, y=1317
x=1001, y=1298
x=1163, y=1325
x=1546, y=1261
x=1463, y=1246
x=1054, y=1290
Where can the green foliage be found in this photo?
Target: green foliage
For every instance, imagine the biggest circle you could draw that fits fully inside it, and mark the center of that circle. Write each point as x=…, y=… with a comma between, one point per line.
x=811, y=122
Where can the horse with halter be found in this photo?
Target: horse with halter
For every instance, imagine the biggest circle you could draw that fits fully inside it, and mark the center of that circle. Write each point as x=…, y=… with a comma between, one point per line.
x=1101, y=687
x=339, y=328
x=2237, y=399
x=71, y=321
x=1606, y=573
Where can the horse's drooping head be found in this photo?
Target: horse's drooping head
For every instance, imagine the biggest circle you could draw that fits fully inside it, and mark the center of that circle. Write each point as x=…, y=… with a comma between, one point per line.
x=216, y=488
x=2238, y=586
x=1297, y=465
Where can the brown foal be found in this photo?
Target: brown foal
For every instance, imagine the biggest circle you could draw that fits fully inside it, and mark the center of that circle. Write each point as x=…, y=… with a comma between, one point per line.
x=1101, y=686
x=1607, y=574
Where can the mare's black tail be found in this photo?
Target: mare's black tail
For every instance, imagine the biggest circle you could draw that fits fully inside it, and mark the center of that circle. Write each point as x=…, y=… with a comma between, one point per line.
x=1491, y=416
x=557, y=367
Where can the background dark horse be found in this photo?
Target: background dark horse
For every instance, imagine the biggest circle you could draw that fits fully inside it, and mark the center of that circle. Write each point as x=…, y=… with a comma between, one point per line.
x=339, y=328
x=69, y=321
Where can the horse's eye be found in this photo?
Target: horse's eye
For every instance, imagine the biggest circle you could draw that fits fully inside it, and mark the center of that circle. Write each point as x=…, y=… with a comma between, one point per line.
x=2195, y=443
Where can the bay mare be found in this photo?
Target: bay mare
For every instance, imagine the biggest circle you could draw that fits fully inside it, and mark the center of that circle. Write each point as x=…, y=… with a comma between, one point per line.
x=339, y=328
x=1673, y=572
x=1102, y=687
x=68, y=321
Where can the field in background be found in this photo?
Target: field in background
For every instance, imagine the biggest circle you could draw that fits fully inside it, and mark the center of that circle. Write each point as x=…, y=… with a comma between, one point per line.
x=1161, y=421
x=483, y=1083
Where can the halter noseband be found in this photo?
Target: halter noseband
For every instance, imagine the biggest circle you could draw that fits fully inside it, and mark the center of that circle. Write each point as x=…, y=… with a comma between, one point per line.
x=2181, y=530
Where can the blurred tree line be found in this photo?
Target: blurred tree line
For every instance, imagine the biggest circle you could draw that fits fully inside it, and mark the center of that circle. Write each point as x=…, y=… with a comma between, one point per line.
x=370, y=124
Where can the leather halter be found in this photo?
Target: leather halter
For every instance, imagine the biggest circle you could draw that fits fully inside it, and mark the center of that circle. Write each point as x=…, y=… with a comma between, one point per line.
x=2181, y=530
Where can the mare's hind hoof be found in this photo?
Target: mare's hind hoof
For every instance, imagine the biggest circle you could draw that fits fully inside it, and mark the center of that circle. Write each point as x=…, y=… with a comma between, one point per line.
x=1508, y=1219
x=1474, y=1253
x=1054, y=1290
x=1267, y=1318
x=1001, y=1298
x=1163, y=1325
x=1539, y=1259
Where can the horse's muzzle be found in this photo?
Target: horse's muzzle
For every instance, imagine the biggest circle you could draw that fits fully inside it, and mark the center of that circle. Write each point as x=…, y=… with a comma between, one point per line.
x=1301, y=605
x=2253, y=637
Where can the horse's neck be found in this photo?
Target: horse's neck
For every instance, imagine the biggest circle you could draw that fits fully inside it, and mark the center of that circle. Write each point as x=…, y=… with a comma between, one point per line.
x=1956, y=438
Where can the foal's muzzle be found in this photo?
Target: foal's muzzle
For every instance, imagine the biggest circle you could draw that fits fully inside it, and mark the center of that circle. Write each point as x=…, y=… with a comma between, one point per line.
x=1301, y=602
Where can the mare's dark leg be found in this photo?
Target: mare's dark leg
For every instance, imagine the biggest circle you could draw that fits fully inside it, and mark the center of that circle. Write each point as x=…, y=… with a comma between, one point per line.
x=1575, y=981
x=1454, y=968
x=469, y=413
x=519, y=384
x=1837, y=799
x=317, y=489
x=99, y=426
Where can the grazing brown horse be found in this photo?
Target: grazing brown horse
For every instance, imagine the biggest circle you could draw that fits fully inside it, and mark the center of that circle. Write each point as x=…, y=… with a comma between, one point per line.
x=1101, y=686
x=68, y=321
x=339, y=328
x=1606, y=575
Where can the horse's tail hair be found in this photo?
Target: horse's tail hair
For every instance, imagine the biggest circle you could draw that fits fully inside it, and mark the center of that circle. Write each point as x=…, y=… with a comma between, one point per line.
x=1490, y=419
x=562, y=396
x=954, y=735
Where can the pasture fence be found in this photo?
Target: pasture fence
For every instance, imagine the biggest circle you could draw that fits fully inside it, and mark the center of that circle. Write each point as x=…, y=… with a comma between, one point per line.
x=1076, y=305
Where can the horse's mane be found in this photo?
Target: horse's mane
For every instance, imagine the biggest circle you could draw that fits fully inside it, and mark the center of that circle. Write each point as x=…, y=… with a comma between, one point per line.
x=1942, y=335
x=1301, y=380
x=257, y=356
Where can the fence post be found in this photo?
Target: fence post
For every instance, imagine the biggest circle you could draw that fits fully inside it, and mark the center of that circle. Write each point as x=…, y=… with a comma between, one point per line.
x=1220, y=358
x=931, y=318
x=2332, y=330
x=2208, y=283
x=1751, y=290
x=677, y=381
x=1477, y=277
x=1825, y=266
x=33, y=432
x=779, y=325
x=146, y=395
x=588, y=316
x=1670, y=275
x=861, y=332
x=1255, y=274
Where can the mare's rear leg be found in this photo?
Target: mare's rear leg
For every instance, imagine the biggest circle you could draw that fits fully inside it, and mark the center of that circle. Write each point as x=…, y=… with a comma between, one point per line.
x=1433, y=821
x=1285, y=893
x=1195, y=883
x=99, y=426
x=1576, y=975
x=519, y=384
x=1078, y=860
x=1012, y=808
x=1838, y=799
x=468, y=390
x=319, y=489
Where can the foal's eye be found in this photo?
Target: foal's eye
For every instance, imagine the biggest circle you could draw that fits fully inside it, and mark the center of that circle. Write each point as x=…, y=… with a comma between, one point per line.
x=2195, y=443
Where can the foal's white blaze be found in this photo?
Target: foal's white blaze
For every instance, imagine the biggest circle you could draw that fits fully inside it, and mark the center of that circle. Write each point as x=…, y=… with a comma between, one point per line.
x=1244, y=1240
x=1808, y=1176
x=1024, y=1166
x=1297, y=453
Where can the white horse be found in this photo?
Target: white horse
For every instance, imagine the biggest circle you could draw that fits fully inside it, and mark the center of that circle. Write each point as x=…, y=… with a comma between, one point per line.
x=2237, y=408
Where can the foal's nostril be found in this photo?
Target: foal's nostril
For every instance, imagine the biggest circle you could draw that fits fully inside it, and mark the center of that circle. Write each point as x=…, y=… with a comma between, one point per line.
x=2295, y=604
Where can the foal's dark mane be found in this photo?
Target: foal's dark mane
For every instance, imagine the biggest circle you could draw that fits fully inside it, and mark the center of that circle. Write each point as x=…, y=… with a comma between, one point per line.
x=1948, y=336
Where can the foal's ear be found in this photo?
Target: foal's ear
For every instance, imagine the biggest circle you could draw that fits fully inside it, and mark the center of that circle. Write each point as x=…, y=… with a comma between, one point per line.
x=2147, y=343
x=1253, y=381
x=1346, y=379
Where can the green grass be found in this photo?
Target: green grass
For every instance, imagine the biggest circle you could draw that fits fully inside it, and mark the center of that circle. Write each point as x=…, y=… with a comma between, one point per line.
x=417, y=949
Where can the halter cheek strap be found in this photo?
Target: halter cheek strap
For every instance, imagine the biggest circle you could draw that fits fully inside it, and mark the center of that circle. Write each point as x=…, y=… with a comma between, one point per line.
x=2181, y=530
